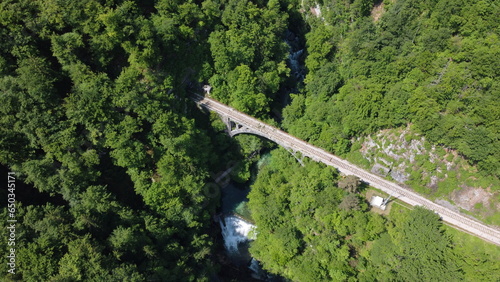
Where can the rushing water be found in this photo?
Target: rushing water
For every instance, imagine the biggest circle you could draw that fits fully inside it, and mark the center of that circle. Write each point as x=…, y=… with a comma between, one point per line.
x=295, y=57
x=237, y=234
x=257, y=271
x=236, y=231
x=295, y=65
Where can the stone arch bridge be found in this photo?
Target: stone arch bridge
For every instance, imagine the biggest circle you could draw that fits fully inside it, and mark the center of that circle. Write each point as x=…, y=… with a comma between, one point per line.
x=236, y=126
x=238, y=123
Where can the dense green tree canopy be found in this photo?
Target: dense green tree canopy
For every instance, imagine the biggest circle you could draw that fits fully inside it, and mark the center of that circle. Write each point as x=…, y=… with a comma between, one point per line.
x=311, y=230
x=429, y=63
x=93, y=110
x=118, y=163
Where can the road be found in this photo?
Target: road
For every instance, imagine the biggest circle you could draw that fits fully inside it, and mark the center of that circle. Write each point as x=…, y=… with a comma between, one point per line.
x=254, y=126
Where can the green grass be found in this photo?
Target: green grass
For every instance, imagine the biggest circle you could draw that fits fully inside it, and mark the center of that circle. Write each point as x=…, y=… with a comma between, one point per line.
x=446, y=186
x=395, y=203
x=378, y=192
x=472, y=244
x=410, y=137
x=464, y=242
x=466, y=246
x=493, y=219
x=440, y=152
x=450, y=157
x=357, y=158
x=401, y=206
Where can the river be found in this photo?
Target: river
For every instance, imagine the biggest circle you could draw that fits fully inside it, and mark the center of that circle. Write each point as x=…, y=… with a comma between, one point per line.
x=235, y=219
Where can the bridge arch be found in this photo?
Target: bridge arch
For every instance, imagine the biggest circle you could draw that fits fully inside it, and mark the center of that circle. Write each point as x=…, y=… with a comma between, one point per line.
x=234, y=128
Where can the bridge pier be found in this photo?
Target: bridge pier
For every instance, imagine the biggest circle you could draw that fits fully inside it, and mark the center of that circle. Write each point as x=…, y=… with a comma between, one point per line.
x=233, y=128
x=295, y=154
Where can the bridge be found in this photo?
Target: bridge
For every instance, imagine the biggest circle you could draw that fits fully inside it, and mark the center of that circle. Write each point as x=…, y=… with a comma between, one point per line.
x=238, y=123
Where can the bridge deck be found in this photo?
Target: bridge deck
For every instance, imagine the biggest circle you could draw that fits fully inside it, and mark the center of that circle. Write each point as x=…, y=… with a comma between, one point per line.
x=257, y=127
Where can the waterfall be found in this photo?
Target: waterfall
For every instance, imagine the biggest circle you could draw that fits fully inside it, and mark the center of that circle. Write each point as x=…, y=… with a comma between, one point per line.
x=257, y=271
x=236, y=231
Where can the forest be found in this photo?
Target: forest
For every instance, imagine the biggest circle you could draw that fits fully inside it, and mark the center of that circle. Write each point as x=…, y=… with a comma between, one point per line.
x=315, y=225
x=115, y=164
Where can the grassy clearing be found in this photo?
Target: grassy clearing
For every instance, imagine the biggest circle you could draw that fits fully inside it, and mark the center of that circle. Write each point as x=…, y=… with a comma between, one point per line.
x=473, y=245
x=464, y=242
x=370, y=192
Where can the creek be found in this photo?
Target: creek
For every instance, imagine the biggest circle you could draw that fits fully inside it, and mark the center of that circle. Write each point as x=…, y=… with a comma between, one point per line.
x=294, y=82
x=295, y=59
x=234, y=219
x=238, y=232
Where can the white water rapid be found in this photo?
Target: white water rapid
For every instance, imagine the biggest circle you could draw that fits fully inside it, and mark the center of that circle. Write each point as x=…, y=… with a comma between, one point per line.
x=293, y=57
x=236, y=231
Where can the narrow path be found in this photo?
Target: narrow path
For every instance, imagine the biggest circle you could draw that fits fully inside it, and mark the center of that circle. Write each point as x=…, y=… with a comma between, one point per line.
x=257, y=127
